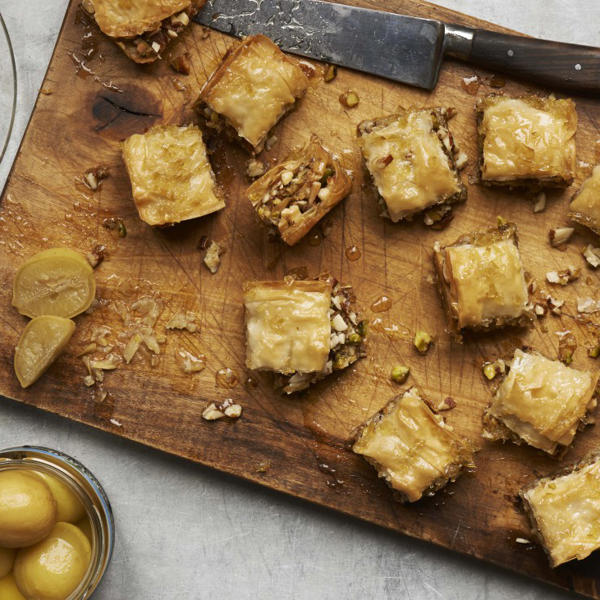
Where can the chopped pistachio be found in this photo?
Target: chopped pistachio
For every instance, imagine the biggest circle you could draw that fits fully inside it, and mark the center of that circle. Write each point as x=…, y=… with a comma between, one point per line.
x=489, y=370
x=422, y=341
x=567, y=344
x=330, y=73
x=349, y=99
x=594, y=351
x=400, y=374
x=354, y=338
x=500, y=221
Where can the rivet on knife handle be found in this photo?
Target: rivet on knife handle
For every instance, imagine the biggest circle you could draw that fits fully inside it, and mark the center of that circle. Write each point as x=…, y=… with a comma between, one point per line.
x=553, y=64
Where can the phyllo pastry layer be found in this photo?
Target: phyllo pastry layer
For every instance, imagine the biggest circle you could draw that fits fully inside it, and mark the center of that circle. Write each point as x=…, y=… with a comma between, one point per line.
x=171, y=177
x=482, y=281
x=585, y=206
x=410, y=156
x=253, y=88
x=296, y=194
x=412, y=448
x=541, y=402
x=303, y=330
x=143, y=29
x=565, y=512
x=528, y=141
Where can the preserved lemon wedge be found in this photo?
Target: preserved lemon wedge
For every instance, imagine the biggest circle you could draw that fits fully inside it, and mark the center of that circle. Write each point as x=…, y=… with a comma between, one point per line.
x=42, y=341
x=58, y=281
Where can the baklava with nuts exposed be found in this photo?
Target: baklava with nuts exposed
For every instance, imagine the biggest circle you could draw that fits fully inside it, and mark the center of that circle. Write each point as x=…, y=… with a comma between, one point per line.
x=252, y=89
x=303, y=330
x=412, y=448
x=585, y=206
x=482, y=282
x=564, y=511
x=528, y=141
x=411, y=159
x=296, y=194
x=540, y=402
x=143, y=29
x=171, y=177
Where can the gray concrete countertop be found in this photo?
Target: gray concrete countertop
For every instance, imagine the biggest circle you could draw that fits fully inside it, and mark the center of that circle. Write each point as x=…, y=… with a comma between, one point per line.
x=189, y=533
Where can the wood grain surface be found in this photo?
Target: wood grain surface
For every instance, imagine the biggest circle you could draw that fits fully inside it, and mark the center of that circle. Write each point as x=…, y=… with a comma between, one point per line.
x=296, y=445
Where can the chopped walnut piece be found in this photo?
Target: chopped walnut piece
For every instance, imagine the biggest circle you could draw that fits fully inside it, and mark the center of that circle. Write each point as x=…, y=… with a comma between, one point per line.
x=448, y=403
x=190, y=363
x=212, y=413
x=588, y=305
x=563, y=277
x=592, y=256
x=94, y=177
x=539, y=310
x=567, y=344
x=234, y=411
x=181, y=63
x=555, y=305
x=349, y=99
x=559, y=236
x=255, y=168
x=183, y=320
x=212, y=258
x=228, y=408
x=96, y=256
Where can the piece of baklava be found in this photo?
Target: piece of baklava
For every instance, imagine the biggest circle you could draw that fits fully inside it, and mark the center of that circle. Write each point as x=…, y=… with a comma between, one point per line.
x=303, y=330
x=411, y=159
x=564, y=511
x=171, y=177
x=296, y=194
x=143, y=29
x=482, y=282
x=541, y=402
x=252, y=89
x=528, y=141
x=585, y=206
x=412, y=448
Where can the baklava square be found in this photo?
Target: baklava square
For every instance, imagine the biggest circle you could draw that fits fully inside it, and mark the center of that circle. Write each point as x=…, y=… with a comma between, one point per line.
x=171, y=177
x=565, y=512
x=143, y=29
x=541, y=402
x=585, y=206
x=296, y=194
x=411, y=159
x=412, y=448
x=252, y=89
x=302, y=329
x=528, y=141
x=482, y=281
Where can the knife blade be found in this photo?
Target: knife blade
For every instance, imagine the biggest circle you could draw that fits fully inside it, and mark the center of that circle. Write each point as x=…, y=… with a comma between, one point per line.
x=400, y=47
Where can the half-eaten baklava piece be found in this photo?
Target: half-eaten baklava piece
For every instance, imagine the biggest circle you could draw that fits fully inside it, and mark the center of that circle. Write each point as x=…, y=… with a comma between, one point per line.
x=411, y=158
x=564, y=511
x=541, y=402
x=482, y=282
x=252, y=89
x=585, y=206
x=412, y=448
x=303, y=330
x=171, y=178
x=296, y=194
x=143, y=29
x=528, y=141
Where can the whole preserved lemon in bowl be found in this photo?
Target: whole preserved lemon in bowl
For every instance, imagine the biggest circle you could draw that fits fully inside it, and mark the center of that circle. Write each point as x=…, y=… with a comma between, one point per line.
x=69, y=507
x=53, y=568
x=9, y=589
x=7, y=558
x=27, y=509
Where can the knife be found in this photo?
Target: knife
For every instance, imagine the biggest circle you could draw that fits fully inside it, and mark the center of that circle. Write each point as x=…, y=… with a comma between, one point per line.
x=399, y=47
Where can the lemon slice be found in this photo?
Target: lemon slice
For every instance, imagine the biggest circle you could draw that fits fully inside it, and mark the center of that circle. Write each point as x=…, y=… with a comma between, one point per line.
x=58, y=281
x=41, y=342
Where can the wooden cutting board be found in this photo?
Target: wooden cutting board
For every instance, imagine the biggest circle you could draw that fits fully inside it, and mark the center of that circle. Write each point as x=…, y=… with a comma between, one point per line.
x=295, y=445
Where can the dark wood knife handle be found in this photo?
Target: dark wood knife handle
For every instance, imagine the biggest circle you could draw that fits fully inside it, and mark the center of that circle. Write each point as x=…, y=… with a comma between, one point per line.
x=553, y=64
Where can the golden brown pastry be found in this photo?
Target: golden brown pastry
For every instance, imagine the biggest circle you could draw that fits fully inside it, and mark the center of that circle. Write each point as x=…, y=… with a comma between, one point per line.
x=585, y=206
x=296, y=194
x=411, y=159
x=143, y=29
x=482, y=281
x=303, y=330
x=564, y=511
x=252, y=89
x=412, y=448
x=528, y=141
x=541, y=402
x=171, y=178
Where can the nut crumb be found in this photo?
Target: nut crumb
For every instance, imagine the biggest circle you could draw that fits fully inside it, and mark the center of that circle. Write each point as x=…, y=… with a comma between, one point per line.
x=212, y=413
x=563, y=277
x=492, y=369
x=212, y=258
x=540, y=203
x=255, y=168
x=400, y=374
x=271, y=141
x=349, y=99
x=330, y=73
x=558, y=236
x=588, y=305
x=189, y=363
x=96, y=255
x=422, y=341
x=183, y=320
x=567, y=344
x=592, y=256
x=93, y=178
x=181, y=63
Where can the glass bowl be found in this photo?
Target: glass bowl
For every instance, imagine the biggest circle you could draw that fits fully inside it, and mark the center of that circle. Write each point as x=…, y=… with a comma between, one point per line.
x=85, y=485
x=8, y=87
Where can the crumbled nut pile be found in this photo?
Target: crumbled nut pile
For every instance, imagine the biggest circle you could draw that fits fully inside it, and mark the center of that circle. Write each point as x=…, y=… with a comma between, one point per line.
x=184, y=320
x=228, y=408
x=563, y=277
